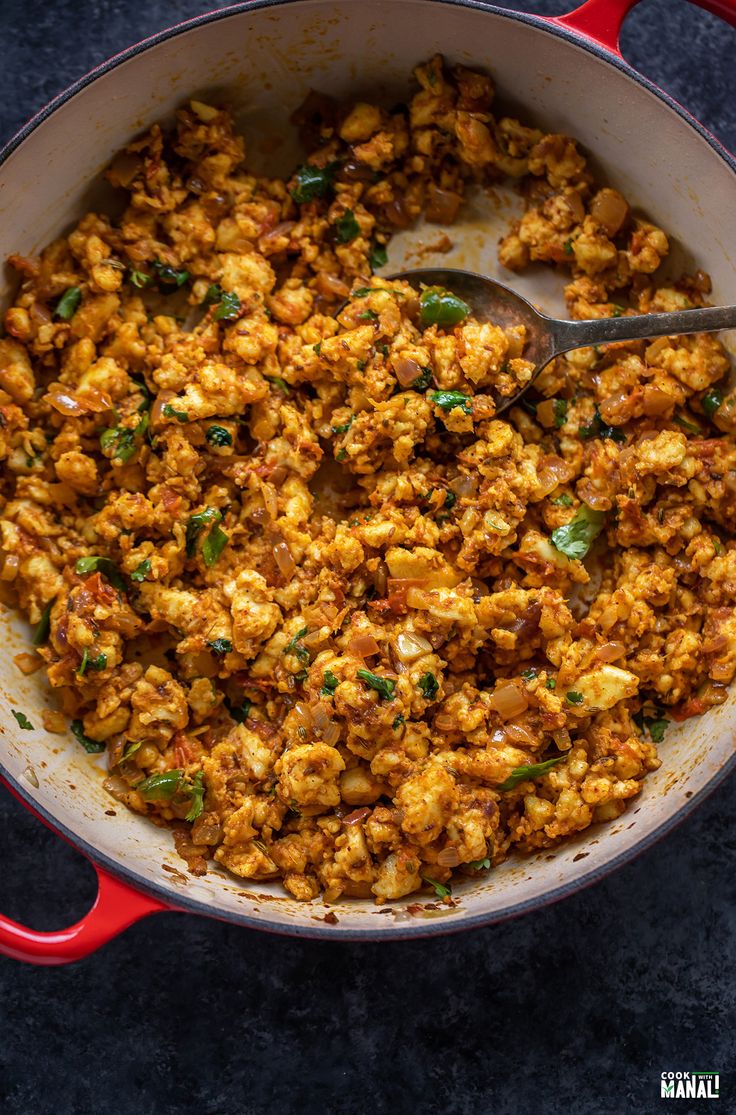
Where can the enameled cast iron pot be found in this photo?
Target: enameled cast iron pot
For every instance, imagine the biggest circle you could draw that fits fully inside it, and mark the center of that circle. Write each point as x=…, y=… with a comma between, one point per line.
x=263, y=57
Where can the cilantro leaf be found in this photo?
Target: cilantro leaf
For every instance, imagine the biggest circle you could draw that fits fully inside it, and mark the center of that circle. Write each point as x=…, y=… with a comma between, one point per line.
x=218, y=435
x=442, y=890
x=598, y=428
x=429, y=686
x=528, y=772
x=42, y=628
x=160, y=786
x=68, y=304
x=378, y=256
x=229, y=308
x=575, y=538
x=448, y=400
x=141, y=571
x=440, y=307
x=329, y=684
x=97, y=564
x=385, y=687
x=220, y=647
x=312, y=182
x=170, y=276
x=197, y=789
x=295, y=647
x=23, y=721
x=346, y=227
x=91, y=746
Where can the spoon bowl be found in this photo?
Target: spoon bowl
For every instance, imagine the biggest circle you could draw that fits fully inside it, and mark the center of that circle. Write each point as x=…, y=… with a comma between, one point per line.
x=548, y=337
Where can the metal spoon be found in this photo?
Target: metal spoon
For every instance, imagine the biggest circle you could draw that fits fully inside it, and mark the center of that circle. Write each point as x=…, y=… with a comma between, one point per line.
x=547, y=337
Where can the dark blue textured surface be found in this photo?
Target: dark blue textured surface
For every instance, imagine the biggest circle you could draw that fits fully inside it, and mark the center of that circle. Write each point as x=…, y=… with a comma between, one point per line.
x=576, y=1009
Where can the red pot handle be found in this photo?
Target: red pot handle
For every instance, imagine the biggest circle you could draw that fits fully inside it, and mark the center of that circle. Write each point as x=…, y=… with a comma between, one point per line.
x=601, y=20
x=117, y=906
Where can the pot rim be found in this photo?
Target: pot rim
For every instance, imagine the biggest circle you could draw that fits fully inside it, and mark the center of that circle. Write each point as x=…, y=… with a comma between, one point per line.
x=395, y=931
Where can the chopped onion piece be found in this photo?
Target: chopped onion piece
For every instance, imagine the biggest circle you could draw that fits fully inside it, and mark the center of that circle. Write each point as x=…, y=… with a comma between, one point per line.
x=363, y=646
x=609, y=652
x=508, y=700
x=410, y=646
x=284, y=560
x=448, y=857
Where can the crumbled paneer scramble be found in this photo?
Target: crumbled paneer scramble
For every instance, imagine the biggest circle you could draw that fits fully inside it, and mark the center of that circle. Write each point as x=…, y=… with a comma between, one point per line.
x=325, y=613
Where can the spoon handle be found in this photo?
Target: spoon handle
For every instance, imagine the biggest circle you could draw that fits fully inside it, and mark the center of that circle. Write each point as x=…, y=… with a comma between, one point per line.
x=567, y=335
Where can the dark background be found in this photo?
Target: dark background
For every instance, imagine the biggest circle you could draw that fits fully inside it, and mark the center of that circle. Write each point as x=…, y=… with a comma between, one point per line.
x=576, y=1008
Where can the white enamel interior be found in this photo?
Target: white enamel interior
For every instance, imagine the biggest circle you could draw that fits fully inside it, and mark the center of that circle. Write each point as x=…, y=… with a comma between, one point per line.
x=263, y=61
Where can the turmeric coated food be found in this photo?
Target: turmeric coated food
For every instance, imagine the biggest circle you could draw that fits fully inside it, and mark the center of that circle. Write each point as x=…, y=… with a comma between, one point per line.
x=327, y=614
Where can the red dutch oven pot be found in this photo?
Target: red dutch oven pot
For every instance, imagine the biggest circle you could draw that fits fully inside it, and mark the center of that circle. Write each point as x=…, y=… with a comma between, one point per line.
x=566, y=73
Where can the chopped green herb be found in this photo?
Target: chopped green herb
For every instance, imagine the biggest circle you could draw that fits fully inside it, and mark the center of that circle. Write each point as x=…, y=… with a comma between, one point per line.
x=343, y=429
x=170, y=276
x=574, y=698
x=656, y=725
x=448, y=400
x=530, y=673
x=442, y=890
x=160, y=786
x=383, y=349
x=220, y=647
x=378, y=257
x=440, y=307
x=361, y=365
x=23, y=721
x=197, y=793
x=368, y=315
x=560, y=409
x=229, y=307
x=140, y=279
x=219, y=436
x=423, y=380
x=386, y=687
x=329, y=684
x=196, y=525
x=563, y=501
x=398, y=721
x=141, y=571
x=346, y=227
x=617, y=310
x=429, y=686
x=657, y=728
x=341, y=455
x=567, y=247
x=120, y=441
x=99, y=662
x=575, y=538
x=363, y=292
x=526, y=773
x=450, y=499
x=41, y=630
x=179, y=415
x=598, y=428
x=277, y=381
x=91, y=746
x=68, y=304
x=711, y=401
x=213, y=545
x=295, y=647
x=318, y=348
x=214, y=294
x=680, y=421
x=239, y=712
x=102, y=565
x=550, y=683
x=130, y=749
x=480, y=864
x=312, y=182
